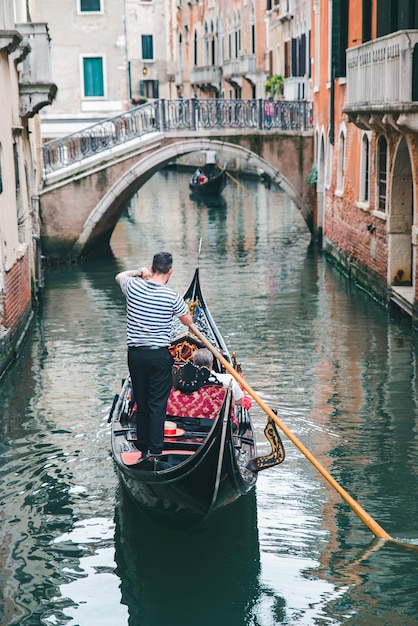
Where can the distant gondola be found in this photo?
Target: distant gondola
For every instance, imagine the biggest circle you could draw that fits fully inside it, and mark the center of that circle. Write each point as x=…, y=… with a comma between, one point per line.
x=209, y=457
x=201, y=184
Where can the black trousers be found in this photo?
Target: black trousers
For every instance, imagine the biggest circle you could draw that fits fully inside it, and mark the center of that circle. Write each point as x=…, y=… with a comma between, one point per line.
x=152, y=377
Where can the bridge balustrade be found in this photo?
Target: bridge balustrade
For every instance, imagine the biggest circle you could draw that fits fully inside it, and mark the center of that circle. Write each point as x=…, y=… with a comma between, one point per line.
x=176, y=115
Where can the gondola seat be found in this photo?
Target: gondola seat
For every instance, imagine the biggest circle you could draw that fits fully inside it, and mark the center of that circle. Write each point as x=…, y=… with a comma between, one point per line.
x=205, y=402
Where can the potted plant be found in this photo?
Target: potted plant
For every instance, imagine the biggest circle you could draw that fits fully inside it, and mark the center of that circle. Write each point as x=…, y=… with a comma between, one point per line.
x=274, y=85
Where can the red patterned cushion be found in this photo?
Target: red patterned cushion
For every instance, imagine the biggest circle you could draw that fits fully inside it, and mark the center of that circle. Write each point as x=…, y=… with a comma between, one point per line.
x=205, y=402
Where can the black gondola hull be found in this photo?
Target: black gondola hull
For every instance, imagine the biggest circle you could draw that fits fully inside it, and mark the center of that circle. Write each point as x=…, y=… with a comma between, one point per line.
x=213, y=187
x=190, y=492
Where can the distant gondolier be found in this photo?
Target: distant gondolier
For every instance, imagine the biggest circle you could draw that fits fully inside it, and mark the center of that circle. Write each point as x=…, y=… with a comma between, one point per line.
x=210, y=163
x=151, y=306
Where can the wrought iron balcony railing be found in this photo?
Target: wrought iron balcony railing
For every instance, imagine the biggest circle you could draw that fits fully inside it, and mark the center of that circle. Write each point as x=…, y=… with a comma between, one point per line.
x=171, y=116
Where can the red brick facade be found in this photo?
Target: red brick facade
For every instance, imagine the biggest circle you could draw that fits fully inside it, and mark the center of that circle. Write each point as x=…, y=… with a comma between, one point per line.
x=17, y=293
x=16, y=309
x=371, y=233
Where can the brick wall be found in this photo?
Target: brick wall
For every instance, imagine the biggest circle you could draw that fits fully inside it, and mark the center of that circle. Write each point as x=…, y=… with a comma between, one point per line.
x=17, y=293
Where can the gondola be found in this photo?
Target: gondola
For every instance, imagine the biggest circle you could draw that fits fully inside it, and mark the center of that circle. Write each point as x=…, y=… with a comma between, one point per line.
x=209, y=458
x=212, y=185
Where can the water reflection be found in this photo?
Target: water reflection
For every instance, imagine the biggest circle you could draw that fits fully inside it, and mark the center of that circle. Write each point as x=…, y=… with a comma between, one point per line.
x=217, y=203
x=174, y=577
x=340, y=369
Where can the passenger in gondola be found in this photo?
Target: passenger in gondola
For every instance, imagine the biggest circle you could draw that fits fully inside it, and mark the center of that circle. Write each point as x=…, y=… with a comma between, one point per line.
x=196, y=175
x=151, y=306
x=203, y=358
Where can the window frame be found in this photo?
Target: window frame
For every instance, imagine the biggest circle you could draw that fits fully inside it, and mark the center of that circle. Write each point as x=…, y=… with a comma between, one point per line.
x=83, y=58
x=147, y=38
x=365, y=170
x=379, y=181
x=92, y=11
x=341, y=162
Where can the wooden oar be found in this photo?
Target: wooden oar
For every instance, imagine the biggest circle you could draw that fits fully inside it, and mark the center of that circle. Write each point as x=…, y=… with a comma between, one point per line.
x=377, y=530
x=234, y=179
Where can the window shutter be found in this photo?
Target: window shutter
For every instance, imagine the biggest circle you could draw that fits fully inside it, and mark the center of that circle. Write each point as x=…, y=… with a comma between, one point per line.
x=302, y=56
x=287, y=59
x=339, y=36
x=294, y=57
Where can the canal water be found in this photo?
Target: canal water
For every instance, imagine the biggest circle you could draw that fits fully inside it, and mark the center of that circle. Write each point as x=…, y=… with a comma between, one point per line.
x=341, y=372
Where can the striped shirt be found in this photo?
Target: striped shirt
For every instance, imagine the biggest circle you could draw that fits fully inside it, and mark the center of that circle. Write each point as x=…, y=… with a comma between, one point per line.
x=150, y=309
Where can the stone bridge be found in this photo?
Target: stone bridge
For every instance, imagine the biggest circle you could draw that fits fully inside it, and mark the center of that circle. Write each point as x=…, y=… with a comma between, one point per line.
x=90, y=176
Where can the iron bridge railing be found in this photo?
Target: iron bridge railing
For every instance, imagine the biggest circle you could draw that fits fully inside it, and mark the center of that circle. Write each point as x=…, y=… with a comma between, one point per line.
x=176, y=115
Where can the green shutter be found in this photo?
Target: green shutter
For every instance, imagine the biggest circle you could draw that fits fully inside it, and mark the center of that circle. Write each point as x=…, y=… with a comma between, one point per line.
x=90, y=5
x=93, y=77
x=147, y=48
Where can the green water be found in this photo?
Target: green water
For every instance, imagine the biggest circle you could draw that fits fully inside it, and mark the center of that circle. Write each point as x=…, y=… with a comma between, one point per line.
x=340, y=370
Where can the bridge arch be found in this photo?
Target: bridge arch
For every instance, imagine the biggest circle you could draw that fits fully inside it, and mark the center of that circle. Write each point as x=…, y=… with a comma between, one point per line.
x=100, y=223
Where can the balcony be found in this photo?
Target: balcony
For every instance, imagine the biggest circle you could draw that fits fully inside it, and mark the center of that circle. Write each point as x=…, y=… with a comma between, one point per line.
x=248, y=64
x=36, y=89
x=209, y=75
x=231, y=69
x=382, y=82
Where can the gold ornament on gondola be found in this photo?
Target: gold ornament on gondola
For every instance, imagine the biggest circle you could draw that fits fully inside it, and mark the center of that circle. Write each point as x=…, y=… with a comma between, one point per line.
x=192, y=307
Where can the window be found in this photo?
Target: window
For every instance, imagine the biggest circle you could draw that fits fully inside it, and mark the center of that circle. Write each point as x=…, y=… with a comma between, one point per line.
x=339, y=37
x=298, y=51
x=206, y=45
x=252, y=27
x=149, y=88
x=90, y=6
x=195, y=57
x=366, y=22
x=328, y=162
x=147, y=48
x=287, y=58
x=341, y=163
x=365, y=169
x=415, y=73
x=382, y=149
x=93, y=77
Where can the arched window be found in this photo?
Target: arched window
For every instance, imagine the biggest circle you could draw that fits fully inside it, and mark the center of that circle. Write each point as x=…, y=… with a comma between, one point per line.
x=341, y=162
x=180, y=54
x=382, y=157
x=206, y=45
x=252, y=25
x=328, y=161
x=220, y=42
x=365, y=169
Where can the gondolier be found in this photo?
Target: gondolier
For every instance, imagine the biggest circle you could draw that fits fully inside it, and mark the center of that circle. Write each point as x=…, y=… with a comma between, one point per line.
x=206, y=464
x=151, y=306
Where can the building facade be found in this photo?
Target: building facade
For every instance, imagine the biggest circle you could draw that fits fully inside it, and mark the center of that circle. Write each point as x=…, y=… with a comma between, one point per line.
x=107, y=56
x=365, y=93
x=26, y=88
x=220, y=49
x=88, y=60
x=150, y=44
x=288, y=46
